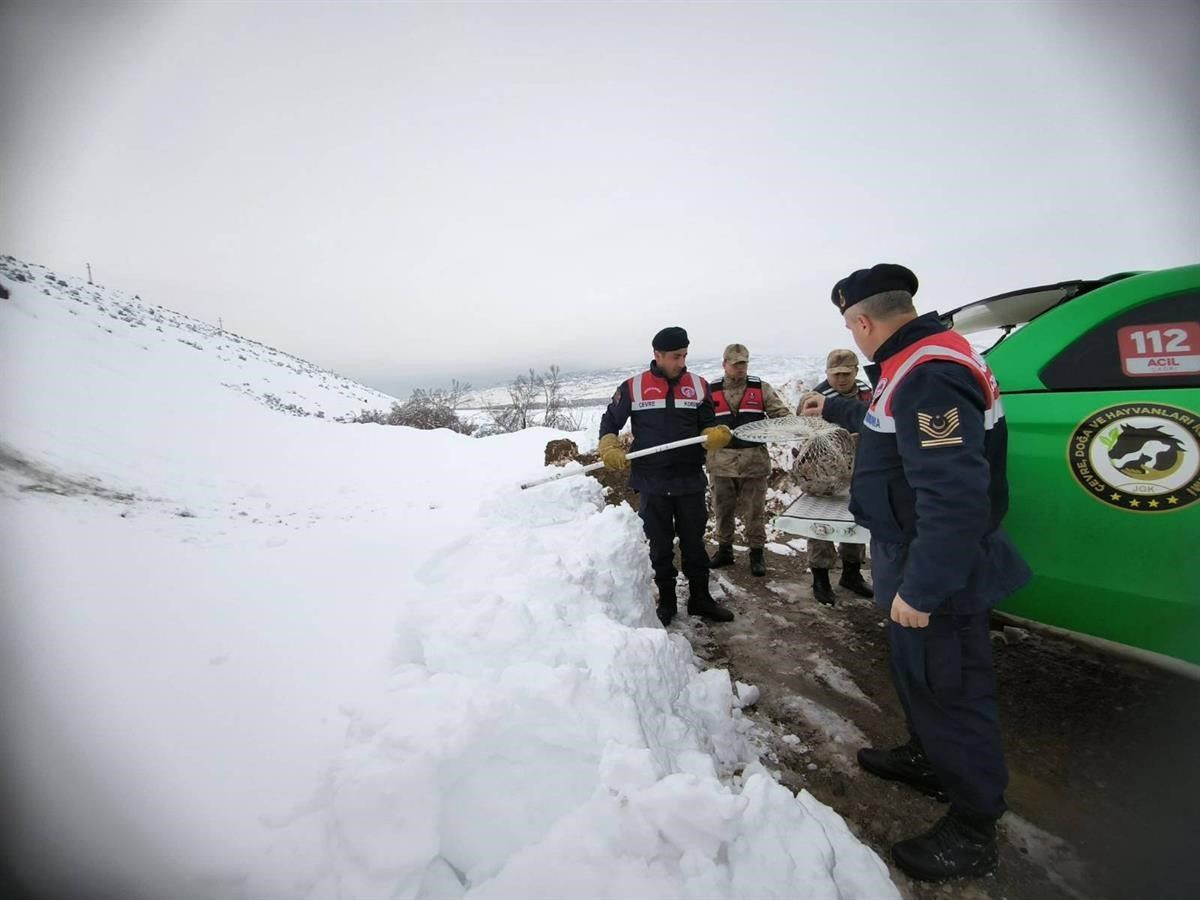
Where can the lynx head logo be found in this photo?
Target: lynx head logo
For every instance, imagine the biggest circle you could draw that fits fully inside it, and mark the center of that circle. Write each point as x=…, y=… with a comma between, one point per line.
x=1143, y=453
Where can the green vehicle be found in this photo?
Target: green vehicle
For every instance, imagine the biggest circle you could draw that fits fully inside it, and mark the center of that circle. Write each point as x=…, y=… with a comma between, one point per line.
x=1101, y=391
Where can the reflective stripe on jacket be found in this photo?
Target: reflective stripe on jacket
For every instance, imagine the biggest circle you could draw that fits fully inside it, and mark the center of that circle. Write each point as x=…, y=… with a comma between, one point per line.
x=930, y=473
x=751, y=408
x=661, y=411
x=861, y=390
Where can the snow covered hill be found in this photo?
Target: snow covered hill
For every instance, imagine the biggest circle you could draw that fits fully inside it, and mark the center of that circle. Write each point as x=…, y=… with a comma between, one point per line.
x=251, y=652
x=269, y=376
x=596, y=387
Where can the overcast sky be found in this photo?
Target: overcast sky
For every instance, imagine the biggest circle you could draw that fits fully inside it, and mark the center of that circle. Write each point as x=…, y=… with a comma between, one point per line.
x=408, y=192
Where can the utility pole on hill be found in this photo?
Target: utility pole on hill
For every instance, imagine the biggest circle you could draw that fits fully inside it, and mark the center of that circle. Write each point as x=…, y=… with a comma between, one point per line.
x=89, y=265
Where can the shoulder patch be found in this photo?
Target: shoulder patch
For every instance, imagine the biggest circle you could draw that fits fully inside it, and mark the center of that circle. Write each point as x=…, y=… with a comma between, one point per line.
x=940, y=429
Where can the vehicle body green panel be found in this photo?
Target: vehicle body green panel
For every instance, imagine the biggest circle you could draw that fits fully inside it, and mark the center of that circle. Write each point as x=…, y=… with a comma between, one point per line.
x=1126, y=576
x=1130, y=576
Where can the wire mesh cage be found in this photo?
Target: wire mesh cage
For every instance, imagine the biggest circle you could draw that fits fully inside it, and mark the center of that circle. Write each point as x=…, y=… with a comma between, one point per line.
x=824, y=461
x=823, y=453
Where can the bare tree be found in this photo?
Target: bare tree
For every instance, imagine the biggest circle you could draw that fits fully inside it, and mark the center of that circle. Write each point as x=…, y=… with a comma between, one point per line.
x=456, y=395
x=517, y=414
x=534, y=399
x=558, y=411
x=425, y=409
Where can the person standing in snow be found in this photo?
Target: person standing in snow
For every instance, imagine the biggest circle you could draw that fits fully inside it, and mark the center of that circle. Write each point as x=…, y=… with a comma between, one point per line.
x=930, y=484
x=738, y=473
x=841, y=380
x=668, y=403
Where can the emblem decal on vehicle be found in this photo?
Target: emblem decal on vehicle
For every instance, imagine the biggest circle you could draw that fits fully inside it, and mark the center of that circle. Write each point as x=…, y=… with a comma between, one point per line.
x=1143, y=457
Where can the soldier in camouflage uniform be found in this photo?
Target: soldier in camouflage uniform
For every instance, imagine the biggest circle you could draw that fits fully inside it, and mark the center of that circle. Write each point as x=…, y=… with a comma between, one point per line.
x=841, y=380
x=738, y=473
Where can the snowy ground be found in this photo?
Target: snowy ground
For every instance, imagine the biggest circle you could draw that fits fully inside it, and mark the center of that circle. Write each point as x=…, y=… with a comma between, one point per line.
x=251, y=652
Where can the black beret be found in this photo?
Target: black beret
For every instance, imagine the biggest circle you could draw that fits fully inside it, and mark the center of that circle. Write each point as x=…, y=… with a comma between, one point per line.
x=673, y=338
x=864, y=283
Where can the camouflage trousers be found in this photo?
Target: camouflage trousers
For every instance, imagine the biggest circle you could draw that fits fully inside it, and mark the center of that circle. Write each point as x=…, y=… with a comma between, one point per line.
x=743, y=498
x=821, y=554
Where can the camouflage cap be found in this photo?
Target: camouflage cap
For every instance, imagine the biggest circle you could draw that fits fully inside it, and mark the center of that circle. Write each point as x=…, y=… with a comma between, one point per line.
x=736, y=353
x=841, y=361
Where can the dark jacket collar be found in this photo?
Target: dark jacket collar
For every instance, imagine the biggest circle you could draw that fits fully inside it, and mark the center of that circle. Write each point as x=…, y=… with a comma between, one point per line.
x=857, y=387
x=909, y=333
x=658, y=373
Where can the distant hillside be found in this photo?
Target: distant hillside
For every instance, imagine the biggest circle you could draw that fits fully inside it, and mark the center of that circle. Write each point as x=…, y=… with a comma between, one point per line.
x=269, y=376
x=289, y=384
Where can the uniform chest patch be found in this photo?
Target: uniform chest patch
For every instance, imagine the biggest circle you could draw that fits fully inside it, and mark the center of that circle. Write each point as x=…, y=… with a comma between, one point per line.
x=940, y=429
x=883, y=383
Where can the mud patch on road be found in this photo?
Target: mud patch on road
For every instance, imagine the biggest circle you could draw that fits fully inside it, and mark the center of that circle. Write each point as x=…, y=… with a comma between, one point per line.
x=1101, y=751
x=32, y=477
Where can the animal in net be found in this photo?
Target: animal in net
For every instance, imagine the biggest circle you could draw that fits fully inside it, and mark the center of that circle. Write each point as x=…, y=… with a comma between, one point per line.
x=824, y=460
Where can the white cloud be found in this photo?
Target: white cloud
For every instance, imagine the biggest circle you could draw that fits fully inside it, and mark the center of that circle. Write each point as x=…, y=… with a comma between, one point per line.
x=407, y=188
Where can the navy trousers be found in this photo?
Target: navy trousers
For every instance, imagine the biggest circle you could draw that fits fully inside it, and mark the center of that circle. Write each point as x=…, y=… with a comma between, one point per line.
x=944, y=677
x=663, y=517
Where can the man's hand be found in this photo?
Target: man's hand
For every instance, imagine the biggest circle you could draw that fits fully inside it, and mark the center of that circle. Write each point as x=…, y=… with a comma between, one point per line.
x=718, y=436
x=612, y=453
x=812, y=405
x=903, y=614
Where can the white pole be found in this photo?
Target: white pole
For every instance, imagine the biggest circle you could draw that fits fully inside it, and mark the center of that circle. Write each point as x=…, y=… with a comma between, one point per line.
x=785, y=429
x=649, y=451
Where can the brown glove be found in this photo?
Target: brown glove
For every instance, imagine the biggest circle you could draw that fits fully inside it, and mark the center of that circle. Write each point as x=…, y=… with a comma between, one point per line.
x=612, y=453
x=718, y=436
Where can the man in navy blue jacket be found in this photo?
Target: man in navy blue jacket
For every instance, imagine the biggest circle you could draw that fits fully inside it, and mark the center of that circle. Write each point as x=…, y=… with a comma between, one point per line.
x=929, y=484
x=667, y=403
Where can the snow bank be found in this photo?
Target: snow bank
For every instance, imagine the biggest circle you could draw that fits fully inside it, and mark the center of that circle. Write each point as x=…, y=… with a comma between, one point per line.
x=252, y=654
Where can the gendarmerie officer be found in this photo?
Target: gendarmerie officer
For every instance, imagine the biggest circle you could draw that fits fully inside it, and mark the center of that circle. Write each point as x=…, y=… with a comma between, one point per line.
x=929, y=483
x=668, y=403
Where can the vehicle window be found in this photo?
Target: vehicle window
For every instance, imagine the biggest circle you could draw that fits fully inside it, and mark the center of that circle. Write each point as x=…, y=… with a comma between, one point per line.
x=1154, y=345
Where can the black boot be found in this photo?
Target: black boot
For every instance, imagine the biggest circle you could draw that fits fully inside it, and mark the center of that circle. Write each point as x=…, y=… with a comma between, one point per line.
x=667, y=604
x=702, y=604
x=852, y=580
x=723, y=556
x=907, y=764
x=821, y=587
x=758, y=565
x=956, y=847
